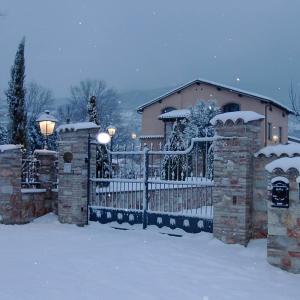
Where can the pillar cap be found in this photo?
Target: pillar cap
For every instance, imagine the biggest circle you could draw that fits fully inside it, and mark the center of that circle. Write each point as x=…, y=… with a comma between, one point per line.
x=77, y=126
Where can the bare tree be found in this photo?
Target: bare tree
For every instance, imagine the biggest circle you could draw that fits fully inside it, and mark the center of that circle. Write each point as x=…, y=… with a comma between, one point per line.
x=38, y=99
x=106, y=99
x=295, y=101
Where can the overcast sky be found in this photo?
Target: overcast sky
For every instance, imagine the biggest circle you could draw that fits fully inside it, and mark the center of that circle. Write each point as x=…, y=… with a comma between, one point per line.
x=137, y=44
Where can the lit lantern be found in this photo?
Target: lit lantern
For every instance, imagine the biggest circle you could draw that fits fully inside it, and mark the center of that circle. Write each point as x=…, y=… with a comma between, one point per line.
x=275, y=138
x=111, y=130
x=47, y=123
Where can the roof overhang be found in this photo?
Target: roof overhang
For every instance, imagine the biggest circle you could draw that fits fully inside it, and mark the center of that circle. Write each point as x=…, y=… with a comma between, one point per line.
x=255, y=96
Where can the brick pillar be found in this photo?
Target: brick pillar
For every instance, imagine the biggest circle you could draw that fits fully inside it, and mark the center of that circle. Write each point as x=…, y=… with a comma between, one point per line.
x=48, y=176
x=233, y=177
x=72, y=162
x=283, y=248
x=47, y=168
x=10, y=184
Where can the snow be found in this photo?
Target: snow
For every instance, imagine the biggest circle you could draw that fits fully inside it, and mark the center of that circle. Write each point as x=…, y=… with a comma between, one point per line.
x=45, y=116
x=246, y=116
x=152, y=136
x=77, y=126
x=33, y=191
x=177, y=113
x=280, y=178
x=47, y=260
x=8, y=147
x=45, y=152
x=278, y=150
x=284, y=164
x=133, y=185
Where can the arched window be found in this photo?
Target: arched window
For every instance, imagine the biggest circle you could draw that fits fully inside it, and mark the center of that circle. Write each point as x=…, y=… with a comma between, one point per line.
x=167, y=109
x=230, y=107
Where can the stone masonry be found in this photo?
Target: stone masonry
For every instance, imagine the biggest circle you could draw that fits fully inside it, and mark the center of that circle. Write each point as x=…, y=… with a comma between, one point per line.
x=233, y=178
x=73, y=151
x=10, y=185
x=284, y=227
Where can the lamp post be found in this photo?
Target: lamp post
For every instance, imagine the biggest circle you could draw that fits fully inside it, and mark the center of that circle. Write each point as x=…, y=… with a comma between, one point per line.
x=111, y=131
x=47, y=124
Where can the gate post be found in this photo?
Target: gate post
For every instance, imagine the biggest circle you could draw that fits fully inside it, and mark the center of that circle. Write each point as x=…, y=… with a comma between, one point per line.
x=146, y=187
x=73, y=171
x=233, y=175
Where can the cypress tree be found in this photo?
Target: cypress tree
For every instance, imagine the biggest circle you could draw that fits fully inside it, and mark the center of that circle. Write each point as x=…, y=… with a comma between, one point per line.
x=16, y=100
x=92, y=110
x=103, y=168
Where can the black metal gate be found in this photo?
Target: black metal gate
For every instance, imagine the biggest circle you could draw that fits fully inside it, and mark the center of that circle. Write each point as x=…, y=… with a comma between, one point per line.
x=155, y=187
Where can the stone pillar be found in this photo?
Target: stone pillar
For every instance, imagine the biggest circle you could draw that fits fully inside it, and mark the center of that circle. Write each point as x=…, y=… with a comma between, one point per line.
x=284, y=222
x=10, y=184
x=233, y=178
x=72, y=165
x=48, y=175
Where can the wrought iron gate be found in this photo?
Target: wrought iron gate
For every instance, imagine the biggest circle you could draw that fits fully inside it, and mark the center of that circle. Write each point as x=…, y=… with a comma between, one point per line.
x=155, y=187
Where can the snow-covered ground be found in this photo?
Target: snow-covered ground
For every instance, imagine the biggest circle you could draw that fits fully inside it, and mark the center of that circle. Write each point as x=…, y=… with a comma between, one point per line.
x=47, y=260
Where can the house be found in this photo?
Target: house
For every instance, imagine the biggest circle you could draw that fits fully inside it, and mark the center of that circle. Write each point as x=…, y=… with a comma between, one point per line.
x=159, y=114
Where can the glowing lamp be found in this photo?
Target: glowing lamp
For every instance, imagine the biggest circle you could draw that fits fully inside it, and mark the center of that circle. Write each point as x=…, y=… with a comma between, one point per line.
x=111, y=130
x=103, y=138
x=46, y=123
x=275, y=138
x=133, y=136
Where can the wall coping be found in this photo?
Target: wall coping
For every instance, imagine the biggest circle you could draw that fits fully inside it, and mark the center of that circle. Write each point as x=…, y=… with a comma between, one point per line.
x=236, y=117
x=290, y=150
x=9, y=147
x=285, y=164
x=77, y=126
x=33, y=191
x=45, y=152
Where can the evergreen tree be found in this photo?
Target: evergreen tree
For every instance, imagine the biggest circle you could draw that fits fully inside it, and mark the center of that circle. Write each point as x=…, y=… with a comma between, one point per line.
x=3, y=135
x=103, y=168
x=16, y=100
x=92, y=110
x=198, y=125
x=175, y=166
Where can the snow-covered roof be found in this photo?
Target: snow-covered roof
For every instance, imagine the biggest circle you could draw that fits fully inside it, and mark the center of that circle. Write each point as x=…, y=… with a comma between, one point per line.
x=218, y=85
x=8, y=147
x=278, y=150
x=152, y=136
x=293, y=139
x=77, y=126
x=45, y=116
x=245, y=116
x=284, y=164
x=175, y=114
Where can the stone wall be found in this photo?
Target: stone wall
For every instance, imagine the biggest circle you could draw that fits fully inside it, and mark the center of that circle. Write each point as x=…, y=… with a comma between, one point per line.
x=17, y=205
x=259, y=206
x=284, y=227
x=233, y=177
x=10, y=186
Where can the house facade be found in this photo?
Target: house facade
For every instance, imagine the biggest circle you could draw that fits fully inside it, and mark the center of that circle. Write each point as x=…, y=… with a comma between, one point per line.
x=159, y=114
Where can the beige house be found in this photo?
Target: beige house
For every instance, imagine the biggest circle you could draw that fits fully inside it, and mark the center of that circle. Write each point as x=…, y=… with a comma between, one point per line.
x=159, y=114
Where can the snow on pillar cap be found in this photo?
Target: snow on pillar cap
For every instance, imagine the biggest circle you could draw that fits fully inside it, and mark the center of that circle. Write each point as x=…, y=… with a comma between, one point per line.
x=236, y=116
x=284, y=164
x=76, y=126
x=9, y=147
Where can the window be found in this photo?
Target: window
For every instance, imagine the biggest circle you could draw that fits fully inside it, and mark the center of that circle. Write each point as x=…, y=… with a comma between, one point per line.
x=231, y=107
x=167, y=109
x=280, y=134
x=270, y=131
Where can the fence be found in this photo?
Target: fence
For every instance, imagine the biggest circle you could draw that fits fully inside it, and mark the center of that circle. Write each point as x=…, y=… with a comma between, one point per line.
x=163, y=188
